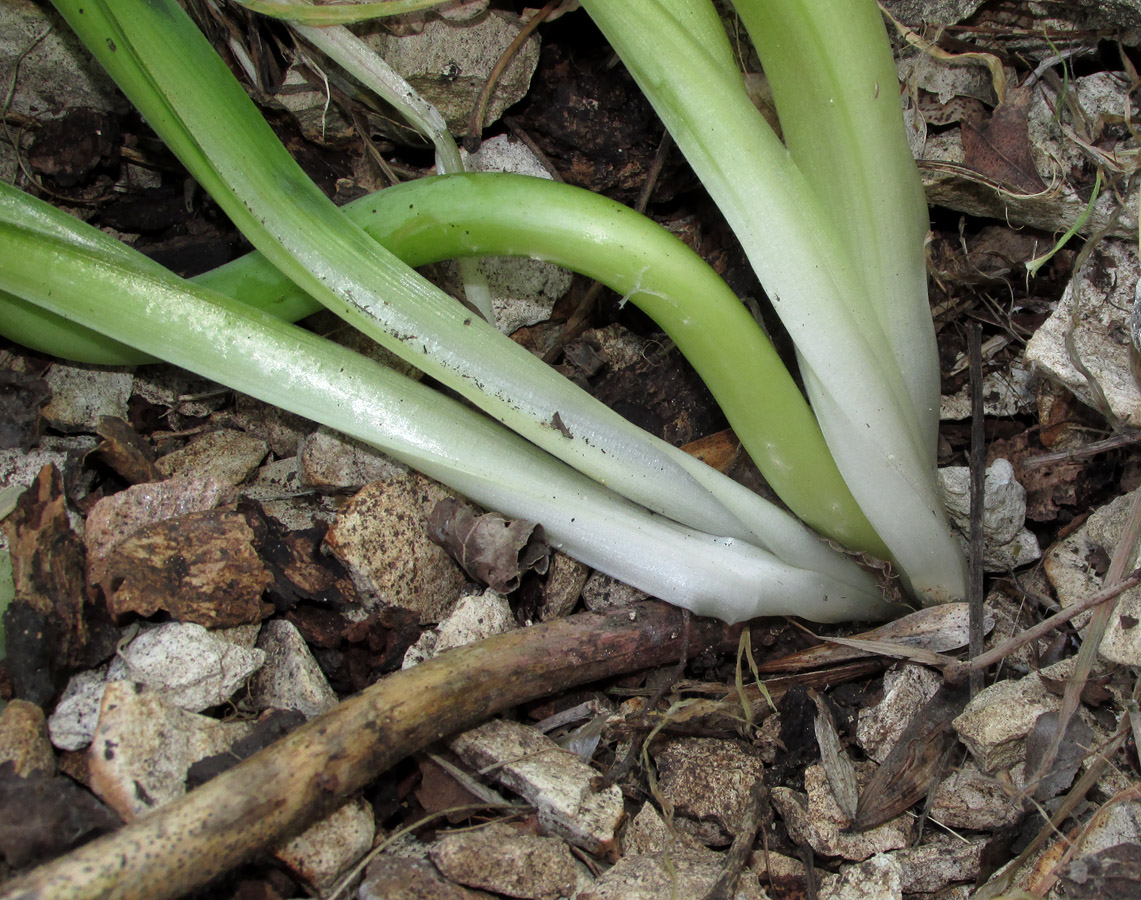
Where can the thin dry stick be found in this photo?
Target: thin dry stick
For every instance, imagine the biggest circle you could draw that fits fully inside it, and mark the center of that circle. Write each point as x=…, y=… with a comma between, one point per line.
x=1083, y=664
x=1091, y=449
x=976, y=598
x=302, y=777
x=1000, y=883
x=475, y=121
x=956, y=670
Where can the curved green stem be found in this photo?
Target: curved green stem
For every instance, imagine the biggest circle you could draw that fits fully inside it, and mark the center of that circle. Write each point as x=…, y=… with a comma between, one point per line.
x=104, y=285
x=431, y=219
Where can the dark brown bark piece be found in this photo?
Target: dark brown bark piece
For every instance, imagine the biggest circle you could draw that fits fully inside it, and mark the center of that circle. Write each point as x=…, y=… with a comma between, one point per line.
x=54, y=814
x=201, y=567
x=301, y=571
x=70, y=149
x=20, y=400
x=48, y=565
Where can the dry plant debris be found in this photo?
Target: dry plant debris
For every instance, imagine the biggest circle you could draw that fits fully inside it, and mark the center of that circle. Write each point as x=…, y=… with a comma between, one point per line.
x=196, y=576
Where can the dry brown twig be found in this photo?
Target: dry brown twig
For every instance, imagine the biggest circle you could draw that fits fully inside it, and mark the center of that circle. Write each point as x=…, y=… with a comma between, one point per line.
x=308, y=773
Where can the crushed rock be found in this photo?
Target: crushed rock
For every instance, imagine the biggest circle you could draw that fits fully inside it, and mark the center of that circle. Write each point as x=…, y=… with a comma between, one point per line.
x=326, y=850
x=565, y=580
x=708, y=783
x=681, y=872
x=83, y=395
x=877, y=878
x=291, y=677
x=816, y=819
x=448, y=64
x=144, y=746
x=382, y=541
x=391, y=877
x=1095, y=311
x=24, y=740
x=1075, y=565
x=330, y=461
x=229, y=457
x=476, y=616
x=72, y=722
x=557, y=783
x=1008, y=544
x=190, y=666
x=973, y=800
x=941, y=860
x=601, y=592
x=996, y=722
x=906, y=688
x=501, y=859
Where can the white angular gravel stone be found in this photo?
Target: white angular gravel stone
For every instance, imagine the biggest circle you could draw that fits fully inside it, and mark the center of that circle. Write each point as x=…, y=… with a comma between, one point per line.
x=1094, y=311
x=1075, y=566
x=227, y=456
x=970, y=799
x=324, y=852
x=555, y=782
x=879, y=878
x=818, y=820
x=449, y=65
x=941, y=859
x=905, y=689
x=708, y=783
x=329, y=461
x=681, y=872
x=71, y=725
x=475, y=617
x=82, y=395
x=191, y=667
x=1007, y=542
x=995, y=723
x=501, y=859
x=143, y=748
x=290, y=678
x=382, y=540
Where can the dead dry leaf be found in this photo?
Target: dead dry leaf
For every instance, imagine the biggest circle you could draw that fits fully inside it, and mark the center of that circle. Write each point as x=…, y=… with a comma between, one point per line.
x=999, y=147
x=837, y=765
x=913, y=766
x=125, y=451
x=491, y=549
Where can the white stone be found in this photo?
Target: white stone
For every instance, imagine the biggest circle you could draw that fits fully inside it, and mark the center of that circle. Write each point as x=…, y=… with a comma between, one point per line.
x=325, y=851
x=72, y=724
x=1076, y=567
x=82, y=395
x=291, y=677
x=143, y=748
x=1095, y=310
x=879, y=878
x=476, y=616
x=191, y=667
x=1007, y=542
x=818, y=820
x=995, y=723
x=905, y=690
x=557, y=783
